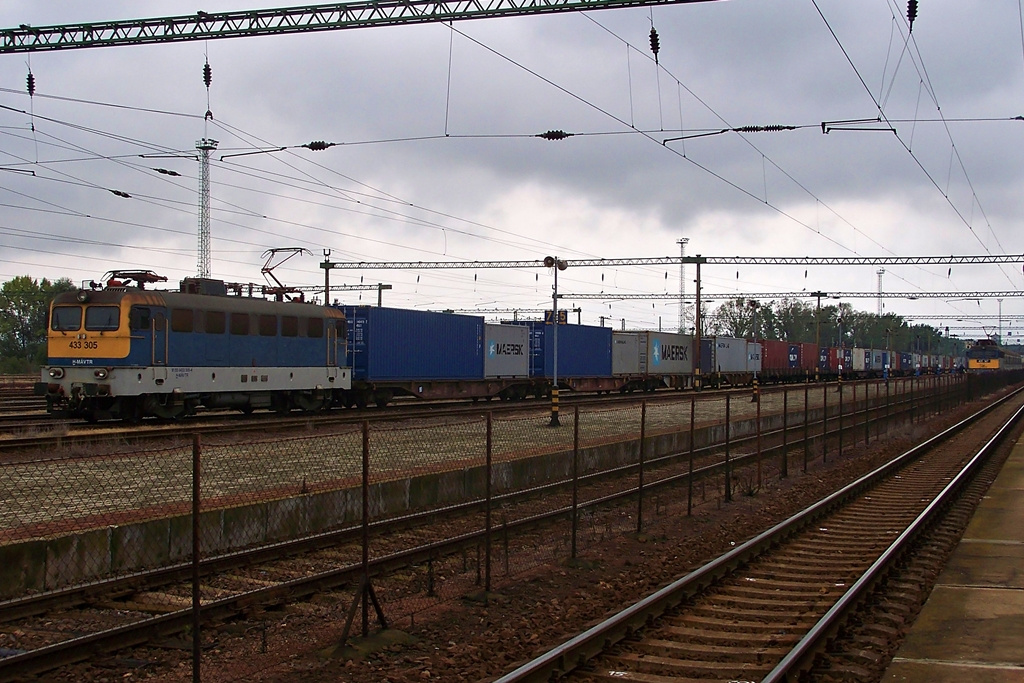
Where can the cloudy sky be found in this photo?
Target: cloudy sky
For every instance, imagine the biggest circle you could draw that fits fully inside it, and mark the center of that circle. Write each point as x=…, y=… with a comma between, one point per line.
x=436, y=156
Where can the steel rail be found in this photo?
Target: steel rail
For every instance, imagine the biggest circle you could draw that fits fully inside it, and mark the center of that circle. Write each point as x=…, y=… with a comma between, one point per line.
x=74, y=650
x=71, y=651
x=801, y=657
x=583, y=647
x=18, y=608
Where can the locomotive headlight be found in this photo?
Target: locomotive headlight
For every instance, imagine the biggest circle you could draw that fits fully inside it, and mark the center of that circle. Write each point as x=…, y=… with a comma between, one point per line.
x=100, y=374
x=82, y=296
x=56, y=373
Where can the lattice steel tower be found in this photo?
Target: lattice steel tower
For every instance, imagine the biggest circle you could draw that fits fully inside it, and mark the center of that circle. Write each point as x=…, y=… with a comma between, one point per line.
x=880, y=272
x=682, y=283
x=205, y=146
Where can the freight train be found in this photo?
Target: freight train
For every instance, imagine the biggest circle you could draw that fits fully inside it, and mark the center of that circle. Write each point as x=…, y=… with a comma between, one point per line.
x=123, y=351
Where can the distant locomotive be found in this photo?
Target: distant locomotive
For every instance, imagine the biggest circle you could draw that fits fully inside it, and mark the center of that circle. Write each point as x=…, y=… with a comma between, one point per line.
x=125, y=352
x=987, y=356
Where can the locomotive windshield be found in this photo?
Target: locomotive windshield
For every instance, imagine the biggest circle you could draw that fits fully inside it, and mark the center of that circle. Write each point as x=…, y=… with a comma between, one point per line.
x=66, y=318
x=99, y=318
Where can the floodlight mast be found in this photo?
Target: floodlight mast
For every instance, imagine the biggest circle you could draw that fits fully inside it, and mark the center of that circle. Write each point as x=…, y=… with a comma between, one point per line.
x=557, y=264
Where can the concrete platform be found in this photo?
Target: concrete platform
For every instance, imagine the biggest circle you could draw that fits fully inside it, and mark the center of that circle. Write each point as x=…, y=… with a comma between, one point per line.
x=972, y=627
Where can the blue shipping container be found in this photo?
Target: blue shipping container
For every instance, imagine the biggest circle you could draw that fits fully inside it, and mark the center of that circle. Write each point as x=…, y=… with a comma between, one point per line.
x=583, y=350
x=394, y=344
x=707, y=355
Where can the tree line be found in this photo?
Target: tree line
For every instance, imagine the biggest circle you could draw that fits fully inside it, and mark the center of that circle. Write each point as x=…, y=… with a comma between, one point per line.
x=24, y=318
x=832, y=325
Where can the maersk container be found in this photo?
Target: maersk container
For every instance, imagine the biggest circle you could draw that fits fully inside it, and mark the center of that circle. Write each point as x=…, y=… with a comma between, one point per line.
x=394, y=344
x=651, y=353
x=507, y=351
x=669, y=353
x=754, y=357
x=583, y=350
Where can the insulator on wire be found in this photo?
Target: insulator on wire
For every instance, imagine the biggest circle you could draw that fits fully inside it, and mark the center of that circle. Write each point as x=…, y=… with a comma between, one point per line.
x=655, y=44
x=119, y=193
x=555, y=135
x=318, y=145
x=164, y=171
x=30, y=82
x=775, y=128
x=911, y=13
x=207, y=74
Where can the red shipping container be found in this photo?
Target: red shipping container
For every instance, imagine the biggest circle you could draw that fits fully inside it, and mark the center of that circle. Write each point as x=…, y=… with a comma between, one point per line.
x=808, y=356
x=774, y=358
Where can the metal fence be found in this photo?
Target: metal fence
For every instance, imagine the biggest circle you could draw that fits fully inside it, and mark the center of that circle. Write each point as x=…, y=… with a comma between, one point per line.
x=418, y=514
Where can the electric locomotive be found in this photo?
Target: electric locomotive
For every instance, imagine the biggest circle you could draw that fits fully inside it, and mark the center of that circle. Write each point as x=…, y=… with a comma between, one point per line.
x=987, y=356
x=122, y=351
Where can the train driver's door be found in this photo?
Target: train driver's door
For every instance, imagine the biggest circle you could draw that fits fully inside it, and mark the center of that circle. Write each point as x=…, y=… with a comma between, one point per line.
x=159, y=338
x=332, y=344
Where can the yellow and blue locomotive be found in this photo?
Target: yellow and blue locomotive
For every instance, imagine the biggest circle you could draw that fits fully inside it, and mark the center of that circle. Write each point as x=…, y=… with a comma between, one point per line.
x=985, y=355
x=122, y=351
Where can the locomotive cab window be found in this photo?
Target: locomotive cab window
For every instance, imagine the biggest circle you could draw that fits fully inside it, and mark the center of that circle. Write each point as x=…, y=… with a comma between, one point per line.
x=139, y=318
x=66, y=318
x=101, y=318
x=289, y=326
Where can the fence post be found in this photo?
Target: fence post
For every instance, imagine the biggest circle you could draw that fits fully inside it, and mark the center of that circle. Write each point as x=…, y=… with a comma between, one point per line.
x=824, y=423
x=365, y=593
x=728, y=471
x=840, y=417
x=575, y=475
x=689, y=479
x=878, y=399
x=888, y=408
x=640, y=484
x=785, y=432
x=487, y=508
x=758, y=397
x=867, y=422
x=807, y=444
x=196, y=598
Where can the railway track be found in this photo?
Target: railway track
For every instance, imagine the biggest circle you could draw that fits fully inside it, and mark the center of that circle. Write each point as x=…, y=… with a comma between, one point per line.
x=766, y=610
x=151, y=605
x=41, y=431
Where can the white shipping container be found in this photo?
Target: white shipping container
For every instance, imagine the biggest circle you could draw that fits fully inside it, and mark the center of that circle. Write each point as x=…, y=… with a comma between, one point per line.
x=626, y=356
x=506, y=350
x=753, y=357
x=730, y=355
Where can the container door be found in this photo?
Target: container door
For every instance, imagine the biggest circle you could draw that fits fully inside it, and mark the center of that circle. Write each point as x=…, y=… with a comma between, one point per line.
x=159, y=338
